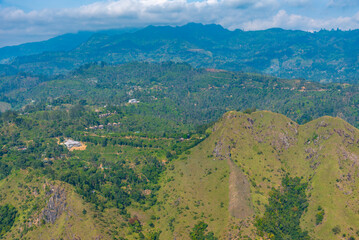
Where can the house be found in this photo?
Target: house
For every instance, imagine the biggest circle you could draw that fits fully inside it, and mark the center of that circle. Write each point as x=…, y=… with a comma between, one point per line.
x=69, y=143
x=132, y=101
x=104, y=115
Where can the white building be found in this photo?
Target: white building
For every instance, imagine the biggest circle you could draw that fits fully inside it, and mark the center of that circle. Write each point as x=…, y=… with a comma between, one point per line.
x=132, y=101
x=69, y=143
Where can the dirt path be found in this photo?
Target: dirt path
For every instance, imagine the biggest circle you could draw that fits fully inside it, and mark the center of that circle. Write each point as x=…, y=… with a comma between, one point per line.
x=82, y=148
x=240, y=205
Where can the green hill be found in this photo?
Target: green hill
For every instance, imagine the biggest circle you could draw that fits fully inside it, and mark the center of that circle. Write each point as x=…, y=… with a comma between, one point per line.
x=182, y=93
x=252, y=175
x=226, y=180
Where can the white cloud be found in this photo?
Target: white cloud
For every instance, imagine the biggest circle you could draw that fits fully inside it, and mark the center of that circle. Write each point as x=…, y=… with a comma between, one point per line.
x=291, y=21
x=297, y=3
x=244, y=14
x=343, y=3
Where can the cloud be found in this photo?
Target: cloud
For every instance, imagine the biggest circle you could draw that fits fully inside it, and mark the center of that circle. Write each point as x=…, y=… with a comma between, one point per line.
x=343, y=4
x=298, y=3
x=292, y=21
x=244, y=14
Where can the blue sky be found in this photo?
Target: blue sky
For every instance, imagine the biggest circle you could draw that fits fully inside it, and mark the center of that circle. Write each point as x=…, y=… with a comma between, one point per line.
x=41, y=4
x=24, y=21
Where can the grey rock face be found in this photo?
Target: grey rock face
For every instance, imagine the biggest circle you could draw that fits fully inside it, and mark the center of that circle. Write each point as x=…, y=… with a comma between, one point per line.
x=55, y=206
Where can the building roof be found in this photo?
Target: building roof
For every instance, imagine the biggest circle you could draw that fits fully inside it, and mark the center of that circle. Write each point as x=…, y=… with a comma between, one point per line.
x=69, y=143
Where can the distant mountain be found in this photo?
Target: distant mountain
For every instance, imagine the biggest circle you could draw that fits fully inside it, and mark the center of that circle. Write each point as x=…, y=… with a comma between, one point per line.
x=326, y=56
x=64, y=42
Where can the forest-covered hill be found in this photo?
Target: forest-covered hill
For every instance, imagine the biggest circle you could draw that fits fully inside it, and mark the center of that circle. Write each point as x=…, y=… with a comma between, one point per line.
x=65, y=42
x=182, y=93
x=326, y=56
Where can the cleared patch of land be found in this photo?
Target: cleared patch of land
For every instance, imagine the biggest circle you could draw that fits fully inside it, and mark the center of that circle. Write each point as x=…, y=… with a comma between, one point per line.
x=240, y=205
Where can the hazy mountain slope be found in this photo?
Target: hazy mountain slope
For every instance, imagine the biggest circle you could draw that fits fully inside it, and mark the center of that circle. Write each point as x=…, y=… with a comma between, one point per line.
x=7, y=70
x=328, y=56
x=265, y=146
x=64, y=42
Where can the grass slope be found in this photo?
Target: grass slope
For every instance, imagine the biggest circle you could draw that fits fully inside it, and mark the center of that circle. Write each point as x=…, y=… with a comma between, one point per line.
x=76, y=219
x=265, y=146
x=224, y=181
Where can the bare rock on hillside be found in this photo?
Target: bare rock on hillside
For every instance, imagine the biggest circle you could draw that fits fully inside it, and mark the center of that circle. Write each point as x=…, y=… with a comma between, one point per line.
x=348, y=155
x=322, y=124
x=222, y=151
x=56, y=205
x=283, y=141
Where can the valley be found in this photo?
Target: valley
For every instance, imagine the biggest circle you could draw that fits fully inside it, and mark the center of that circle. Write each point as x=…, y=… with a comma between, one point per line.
x=180, y=133
x=223, y=177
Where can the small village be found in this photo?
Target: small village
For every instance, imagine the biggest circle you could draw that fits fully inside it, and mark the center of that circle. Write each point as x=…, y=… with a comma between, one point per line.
x=103, y=126
x=104, y=115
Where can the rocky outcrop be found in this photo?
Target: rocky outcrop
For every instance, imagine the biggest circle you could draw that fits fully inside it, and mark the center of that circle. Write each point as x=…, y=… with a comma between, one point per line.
x=55, y=206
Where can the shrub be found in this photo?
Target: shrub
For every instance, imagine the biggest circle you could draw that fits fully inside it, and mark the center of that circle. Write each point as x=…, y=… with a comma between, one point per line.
x=336, y=230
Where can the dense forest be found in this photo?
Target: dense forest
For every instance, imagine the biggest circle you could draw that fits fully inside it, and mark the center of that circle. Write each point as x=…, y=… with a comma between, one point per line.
x=180, y=93
x=325, y=56
x=281, y=219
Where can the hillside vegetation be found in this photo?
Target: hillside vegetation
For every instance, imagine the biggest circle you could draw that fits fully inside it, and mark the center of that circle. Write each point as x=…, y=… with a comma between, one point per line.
x=266, y=147
x=105, y=183
x=326, y=56
x=182, y=93
x=147, y=150
x=153, y=178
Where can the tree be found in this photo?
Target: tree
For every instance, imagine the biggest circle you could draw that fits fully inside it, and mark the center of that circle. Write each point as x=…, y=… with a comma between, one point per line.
x=336, y=230
x=199, y=232
x=7, y=218
x=286, y=206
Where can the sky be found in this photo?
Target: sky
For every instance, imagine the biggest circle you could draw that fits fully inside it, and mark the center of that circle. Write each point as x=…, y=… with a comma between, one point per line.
x=27, y=21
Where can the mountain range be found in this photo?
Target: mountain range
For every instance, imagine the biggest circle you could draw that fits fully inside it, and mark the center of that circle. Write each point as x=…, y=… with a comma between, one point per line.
x=325, y=56
x=193, y=132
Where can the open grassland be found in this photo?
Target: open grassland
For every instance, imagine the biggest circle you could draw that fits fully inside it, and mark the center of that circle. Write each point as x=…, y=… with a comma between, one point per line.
x=265, y=147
